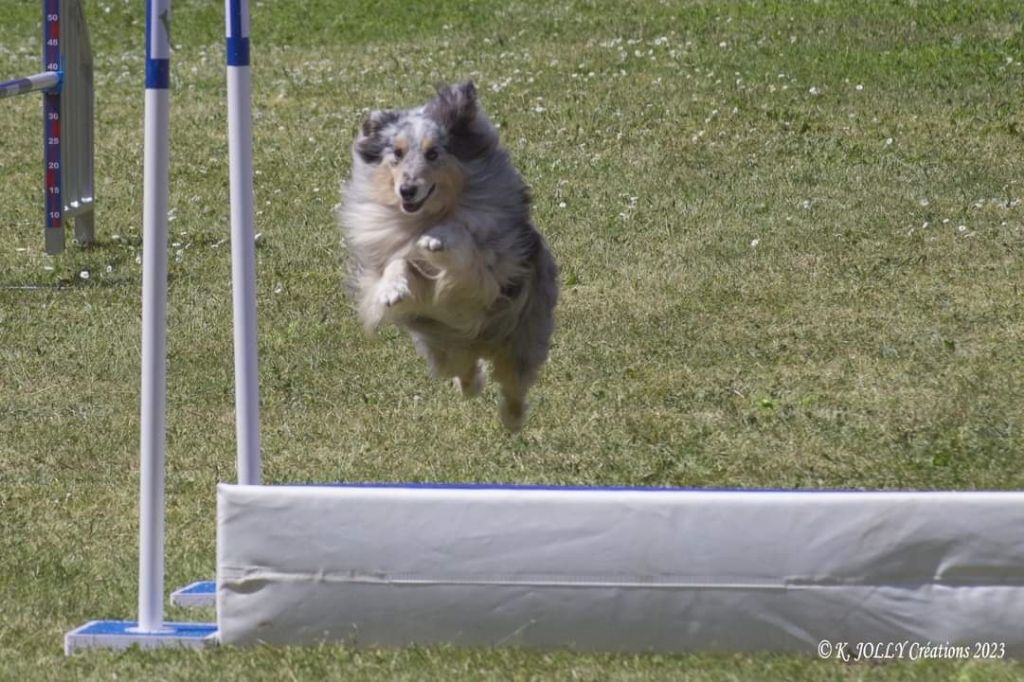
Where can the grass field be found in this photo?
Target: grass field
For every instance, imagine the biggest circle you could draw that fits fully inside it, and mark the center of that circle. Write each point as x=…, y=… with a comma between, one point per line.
x=790, y=237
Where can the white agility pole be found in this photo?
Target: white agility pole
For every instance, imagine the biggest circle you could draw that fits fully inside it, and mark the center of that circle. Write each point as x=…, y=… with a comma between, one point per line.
x=150, y=630
x=243, y=242
x=156, y=165
x=243, y=269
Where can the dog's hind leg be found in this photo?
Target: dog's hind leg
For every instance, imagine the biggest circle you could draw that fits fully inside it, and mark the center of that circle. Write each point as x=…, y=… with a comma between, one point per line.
x=471, y=381
x=460, y=365
x=515, y=379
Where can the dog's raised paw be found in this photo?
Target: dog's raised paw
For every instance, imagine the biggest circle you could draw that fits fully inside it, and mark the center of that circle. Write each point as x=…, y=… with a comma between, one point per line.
x=394, y=293
x=430, y=243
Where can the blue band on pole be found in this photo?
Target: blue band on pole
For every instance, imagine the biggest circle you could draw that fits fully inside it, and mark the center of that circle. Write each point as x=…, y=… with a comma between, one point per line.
x=238, y=51
x=158, y=47
x=158, y=74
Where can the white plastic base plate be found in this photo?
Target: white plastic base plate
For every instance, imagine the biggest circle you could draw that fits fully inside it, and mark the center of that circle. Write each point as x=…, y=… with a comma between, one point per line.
x=618, y=569
x=122, y=634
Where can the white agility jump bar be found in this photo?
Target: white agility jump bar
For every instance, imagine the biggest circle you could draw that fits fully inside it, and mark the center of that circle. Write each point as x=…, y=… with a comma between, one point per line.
x=617, y=569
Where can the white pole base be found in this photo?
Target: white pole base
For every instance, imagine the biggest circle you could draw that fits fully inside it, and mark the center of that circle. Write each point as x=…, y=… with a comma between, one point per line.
x=123, y=634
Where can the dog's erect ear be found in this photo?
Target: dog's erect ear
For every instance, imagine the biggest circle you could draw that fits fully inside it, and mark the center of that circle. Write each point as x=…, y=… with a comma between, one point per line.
x=377, y=120
x=455, y=106
x=370, y=144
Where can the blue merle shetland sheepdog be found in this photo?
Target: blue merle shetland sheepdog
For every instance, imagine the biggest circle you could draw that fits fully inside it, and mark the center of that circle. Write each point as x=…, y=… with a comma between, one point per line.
x=437, y=225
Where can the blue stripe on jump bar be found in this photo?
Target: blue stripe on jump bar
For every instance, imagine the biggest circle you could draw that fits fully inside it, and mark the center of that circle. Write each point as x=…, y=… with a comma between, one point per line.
x=238, y=51
x=158, y=74
x=580, y=488
x=15, y=87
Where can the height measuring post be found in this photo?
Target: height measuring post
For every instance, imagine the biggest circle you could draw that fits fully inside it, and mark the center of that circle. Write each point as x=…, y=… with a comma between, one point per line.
x=52, y=157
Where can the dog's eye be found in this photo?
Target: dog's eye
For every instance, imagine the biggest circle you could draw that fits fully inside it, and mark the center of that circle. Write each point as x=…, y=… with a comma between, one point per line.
x=398, y=154
x=432, y=154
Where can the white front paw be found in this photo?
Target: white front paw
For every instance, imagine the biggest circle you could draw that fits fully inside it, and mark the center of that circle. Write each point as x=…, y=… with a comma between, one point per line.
x=430, y=243
x=393, y=293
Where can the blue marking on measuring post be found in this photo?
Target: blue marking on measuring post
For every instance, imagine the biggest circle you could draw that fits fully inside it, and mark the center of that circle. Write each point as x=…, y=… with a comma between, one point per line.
x=158, y=45
x=238, y=32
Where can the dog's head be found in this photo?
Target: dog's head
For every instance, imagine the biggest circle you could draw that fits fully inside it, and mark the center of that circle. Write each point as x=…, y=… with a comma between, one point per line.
x=417, y=157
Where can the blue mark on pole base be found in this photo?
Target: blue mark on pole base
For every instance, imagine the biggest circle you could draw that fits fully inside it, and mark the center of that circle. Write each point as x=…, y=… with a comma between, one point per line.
x=202, y=593
x=122, y=634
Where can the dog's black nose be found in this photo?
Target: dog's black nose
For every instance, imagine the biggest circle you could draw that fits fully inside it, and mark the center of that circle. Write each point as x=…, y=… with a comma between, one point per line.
x=407, y=191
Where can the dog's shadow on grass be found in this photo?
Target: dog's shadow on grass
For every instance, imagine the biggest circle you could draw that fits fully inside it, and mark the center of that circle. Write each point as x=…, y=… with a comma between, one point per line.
x=105, y=263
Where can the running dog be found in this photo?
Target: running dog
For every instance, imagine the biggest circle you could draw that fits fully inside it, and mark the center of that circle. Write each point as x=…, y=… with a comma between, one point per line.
x=437, y=225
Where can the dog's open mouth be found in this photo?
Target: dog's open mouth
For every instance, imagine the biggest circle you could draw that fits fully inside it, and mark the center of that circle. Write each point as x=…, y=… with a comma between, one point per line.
x=413, y=206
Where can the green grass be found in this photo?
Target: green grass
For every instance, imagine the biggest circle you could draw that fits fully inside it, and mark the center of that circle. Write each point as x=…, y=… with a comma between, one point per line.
x=756, y=207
